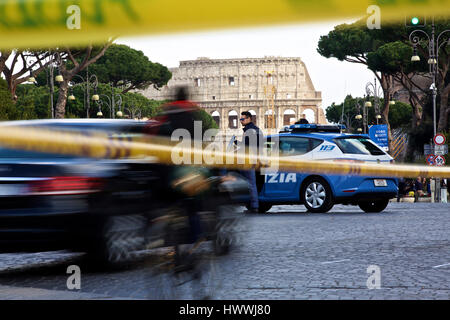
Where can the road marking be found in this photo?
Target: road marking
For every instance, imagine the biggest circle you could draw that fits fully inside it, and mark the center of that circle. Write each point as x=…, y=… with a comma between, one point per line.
x=442, y=265
x=328, y=262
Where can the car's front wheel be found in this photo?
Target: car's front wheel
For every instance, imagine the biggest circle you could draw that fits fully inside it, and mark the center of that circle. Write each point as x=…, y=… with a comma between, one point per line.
x=317, y=196
x=374, y=206
x=119, y=237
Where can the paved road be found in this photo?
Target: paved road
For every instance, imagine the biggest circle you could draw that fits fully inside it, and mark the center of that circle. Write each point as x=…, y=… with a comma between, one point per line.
x=290, y=254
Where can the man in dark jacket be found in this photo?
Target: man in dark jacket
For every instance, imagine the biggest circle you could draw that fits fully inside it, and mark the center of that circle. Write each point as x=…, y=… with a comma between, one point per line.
x=252, y=135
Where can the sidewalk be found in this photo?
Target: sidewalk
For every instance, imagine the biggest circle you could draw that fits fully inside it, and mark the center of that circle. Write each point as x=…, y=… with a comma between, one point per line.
x=411, y=199
x=19, y=293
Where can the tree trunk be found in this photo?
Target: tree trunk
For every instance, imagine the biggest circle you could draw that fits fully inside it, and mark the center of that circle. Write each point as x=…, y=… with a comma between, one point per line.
x=60, y=109
x=417, y=113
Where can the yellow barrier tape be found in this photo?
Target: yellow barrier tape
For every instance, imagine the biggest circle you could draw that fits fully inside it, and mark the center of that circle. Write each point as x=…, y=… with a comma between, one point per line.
x=50, y=23
x=100, y=146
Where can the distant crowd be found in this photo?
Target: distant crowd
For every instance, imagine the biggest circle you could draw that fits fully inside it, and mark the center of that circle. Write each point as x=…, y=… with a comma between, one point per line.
x=419, y=187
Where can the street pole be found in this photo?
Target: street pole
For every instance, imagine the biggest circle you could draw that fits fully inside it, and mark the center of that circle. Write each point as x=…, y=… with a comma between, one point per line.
x=433, y=61
x=52, y=86
x=87, y=93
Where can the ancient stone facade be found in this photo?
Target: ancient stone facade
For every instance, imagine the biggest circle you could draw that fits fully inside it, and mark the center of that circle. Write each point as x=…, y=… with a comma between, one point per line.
x=226, y=87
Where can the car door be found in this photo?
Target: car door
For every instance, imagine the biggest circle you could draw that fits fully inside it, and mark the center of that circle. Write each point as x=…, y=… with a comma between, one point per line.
x=280, y=185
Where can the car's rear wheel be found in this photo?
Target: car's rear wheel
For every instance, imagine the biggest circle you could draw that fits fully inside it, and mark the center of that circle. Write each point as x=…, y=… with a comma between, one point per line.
x=373, y=206
x=316, y=195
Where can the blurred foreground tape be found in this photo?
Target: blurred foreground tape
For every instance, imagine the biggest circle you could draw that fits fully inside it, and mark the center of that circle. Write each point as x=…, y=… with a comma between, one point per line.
x=160, y=150
x=51, y=23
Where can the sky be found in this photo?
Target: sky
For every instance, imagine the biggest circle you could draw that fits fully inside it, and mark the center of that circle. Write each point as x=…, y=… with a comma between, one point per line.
x=335, y=79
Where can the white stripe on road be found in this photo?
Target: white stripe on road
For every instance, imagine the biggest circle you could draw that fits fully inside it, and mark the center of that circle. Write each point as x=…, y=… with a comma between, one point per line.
x=442, y=265
x=328, y=262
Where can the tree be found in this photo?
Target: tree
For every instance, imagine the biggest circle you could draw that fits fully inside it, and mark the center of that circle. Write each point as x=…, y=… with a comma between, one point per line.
x=7, y=108
x=78, y=60
x=133, y=104
x=394, y=58
x=207, y=120
x=33, y=102
x=129, y=68
x=398, y=32
x=352, y=43
x=31, y=62
x=399, y=115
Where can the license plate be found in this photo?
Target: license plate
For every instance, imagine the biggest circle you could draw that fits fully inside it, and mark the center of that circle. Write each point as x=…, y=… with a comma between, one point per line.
x=380, y=183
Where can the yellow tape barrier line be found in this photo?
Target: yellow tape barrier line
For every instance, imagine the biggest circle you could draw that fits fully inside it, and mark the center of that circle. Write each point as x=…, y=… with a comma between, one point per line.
x=50, y=23
x=100, y=146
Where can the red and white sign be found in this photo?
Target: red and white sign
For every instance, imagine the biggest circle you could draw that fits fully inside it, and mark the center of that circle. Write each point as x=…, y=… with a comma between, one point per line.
x=439, y=161
x=439, y=139
x=430, y=159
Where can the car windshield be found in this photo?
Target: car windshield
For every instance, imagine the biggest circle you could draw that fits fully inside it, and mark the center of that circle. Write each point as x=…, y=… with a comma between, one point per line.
x=358, y=145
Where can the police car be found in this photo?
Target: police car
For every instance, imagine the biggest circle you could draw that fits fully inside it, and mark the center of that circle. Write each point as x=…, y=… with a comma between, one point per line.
x=319, y=192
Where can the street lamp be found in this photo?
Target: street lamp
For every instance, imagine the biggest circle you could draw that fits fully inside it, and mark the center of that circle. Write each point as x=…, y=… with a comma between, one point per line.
x=434, y=44
x=376, y=91
x=110, y=102
x=113, y=99
x=59, y=78
x=365, y=113
x=134, y=112
x=87, y=83
x=54, y=61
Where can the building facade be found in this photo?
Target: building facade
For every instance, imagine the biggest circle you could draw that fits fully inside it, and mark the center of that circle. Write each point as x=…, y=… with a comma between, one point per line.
x=277, y=91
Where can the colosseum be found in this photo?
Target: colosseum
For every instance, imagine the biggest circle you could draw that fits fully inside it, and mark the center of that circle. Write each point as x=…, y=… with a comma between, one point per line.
x=276, y=90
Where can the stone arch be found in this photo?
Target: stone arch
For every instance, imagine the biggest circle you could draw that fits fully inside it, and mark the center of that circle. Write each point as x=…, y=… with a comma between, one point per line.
x=232, y=119
x=289, y=117
x=270, y=120
x=216, y=116
x=309, y=114
x=254, y=116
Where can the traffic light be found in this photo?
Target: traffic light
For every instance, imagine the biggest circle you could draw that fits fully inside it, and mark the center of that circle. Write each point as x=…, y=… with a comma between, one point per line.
x=415, y=21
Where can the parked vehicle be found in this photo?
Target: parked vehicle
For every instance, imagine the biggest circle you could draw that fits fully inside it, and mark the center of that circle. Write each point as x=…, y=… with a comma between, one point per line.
x=320, y=192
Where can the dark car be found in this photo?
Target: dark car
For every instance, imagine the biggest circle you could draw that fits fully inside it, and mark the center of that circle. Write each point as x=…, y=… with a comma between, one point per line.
x=101, y=206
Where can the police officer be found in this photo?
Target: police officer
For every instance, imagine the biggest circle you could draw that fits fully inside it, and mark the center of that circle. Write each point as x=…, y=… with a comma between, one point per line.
x=252, y=135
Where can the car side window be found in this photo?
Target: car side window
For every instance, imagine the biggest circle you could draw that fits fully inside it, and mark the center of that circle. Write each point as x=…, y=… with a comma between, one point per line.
x=315, y=143
x=294, y=146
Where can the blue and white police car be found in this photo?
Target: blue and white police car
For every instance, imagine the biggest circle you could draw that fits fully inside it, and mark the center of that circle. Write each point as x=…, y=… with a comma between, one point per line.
x=319, y=192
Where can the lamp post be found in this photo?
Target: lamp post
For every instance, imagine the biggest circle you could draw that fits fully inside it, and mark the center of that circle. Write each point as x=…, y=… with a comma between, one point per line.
x=134, y=111
x=364, y=115
x=376, y=91
x=87, y=83
x=434, y=44
x=113, y=100
x=54, y=62
x=110, y=102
